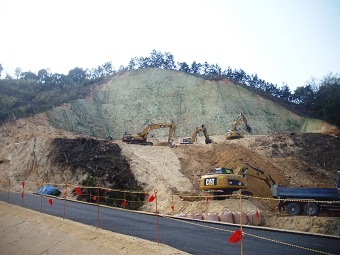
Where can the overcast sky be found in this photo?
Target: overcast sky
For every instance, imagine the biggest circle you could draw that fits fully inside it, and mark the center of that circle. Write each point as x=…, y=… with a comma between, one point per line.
x=281, y=40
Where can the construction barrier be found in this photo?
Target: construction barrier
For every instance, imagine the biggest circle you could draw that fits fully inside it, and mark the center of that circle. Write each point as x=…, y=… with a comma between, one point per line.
x=103, y=196
x=129, y=199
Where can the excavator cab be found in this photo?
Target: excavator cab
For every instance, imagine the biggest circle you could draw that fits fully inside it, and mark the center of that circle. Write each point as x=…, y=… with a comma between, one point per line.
x=223, y=181
x=223, y=170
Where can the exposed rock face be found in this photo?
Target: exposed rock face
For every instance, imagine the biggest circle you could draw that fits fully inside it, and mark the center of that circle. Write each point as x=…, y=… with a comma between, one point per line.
x=135, y=99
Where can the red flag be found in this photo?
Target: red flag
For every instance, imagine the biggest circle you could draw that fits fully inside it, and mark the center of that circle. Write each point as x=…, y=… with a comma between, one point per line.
x=236, y=236
x=173, y=207
x=124, y=203
x=207, y=198
x=78, y=191
x=94, y=198
x=23, y=184
x=50, y=201
x=152, y=198
x=257, y=214
x=22, y=194
x=107, y=191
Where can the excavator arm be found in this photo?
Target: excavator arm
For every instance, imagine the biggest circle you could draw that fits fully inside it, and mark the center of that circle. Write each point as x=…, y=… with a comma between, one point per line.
x=145, y=132
x=233, y=133
x=194, y=133
x=249, y=170
x=240, y=118
x=171, y=131
x=141, y=137
x=205, y=133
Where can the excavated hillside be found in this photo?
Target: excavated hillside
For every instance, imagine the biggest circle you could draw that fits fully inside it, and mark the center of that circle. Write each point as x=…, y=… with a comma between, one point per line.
x=135, y=99
x=68, y=145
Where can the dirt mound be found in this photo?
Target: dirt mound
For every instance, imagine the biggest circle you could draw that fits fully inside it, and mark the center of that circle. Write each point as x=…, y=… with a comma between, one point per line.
x=317, y=149
x=97, y=157
x=197, y=160
x=305, y=159
x=103, y=164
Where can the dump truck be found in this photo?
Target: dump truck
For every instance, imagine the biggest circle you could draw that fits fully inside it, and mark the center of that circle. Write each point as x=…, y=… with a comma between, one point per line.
x=309, y=201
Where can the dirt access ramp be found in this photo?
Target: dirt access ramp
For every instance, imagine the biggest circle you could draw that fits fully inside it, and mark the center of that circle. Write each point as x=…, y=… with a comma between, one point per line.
x=24, y=231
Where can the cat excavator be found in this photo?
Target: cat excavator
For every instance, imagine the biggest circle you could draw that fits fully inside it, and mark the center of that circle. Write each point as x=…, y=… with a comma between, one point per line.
x=224, y=181
x=193, y=138
x=141, y=137
x=233, y=133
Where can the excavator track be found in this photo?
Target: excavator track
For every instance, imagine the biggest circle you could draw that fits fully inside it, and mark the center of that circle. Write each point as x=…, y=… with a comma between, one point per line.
x=140, y=143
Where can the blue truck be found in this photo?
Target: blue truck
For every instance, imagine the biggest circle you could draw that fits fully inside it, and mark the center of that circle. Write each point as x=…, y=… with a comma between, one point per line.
x=309, y=201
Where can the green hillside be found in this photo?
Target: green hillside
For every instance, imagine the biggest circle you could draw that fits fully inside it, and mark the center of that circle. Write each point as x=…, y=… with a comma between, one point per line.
x=134, y=99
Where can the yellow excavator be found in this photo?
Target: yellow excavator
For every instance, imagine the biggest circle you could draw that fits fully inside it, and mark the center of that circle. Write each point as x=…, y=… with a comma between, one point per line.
x=193, y=138
x=233, y=133
x=225, y=181
x=141, y=137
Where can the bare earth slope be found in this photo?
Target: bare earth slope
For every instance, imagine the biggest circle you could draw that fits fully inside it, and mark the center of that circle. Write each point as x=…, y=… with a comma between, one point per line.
x=290, y=159
x=135, y=99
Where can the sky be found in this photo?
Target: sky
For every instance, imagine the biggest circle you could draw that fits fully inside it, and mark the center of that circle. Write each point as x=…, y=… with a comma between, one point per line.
x=282, y=41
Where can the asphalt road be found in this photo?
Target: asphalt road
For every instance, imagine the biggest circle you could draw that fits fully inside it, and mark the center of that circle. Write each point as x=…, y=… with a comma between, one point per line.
x=190, y=236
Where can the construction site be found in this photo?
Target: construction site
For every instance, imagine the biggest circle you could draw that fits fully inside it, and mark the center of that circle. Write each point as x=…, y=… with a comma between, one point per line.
x=164, y=130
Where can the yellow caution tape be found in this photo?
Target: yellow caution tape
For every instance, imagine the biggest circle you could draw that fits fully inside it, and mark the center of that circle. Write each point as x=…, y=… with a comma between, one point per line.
x=259, y=237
